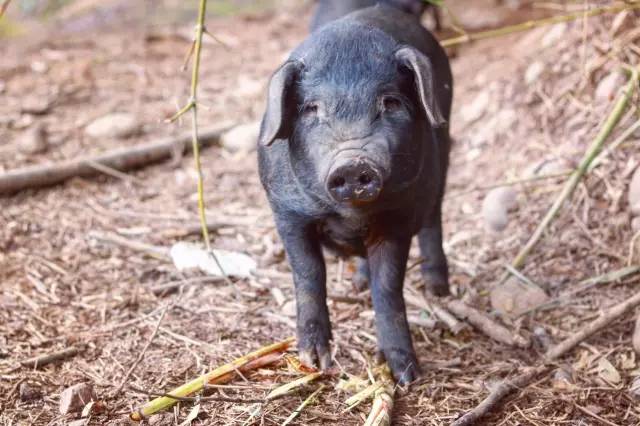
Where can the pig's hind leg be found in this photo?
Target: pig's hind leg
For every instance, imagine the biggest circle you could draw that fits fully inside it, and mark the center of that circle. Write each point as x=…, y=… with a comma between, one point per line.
x=360, y=278
x=305, y=256
x=435, y=270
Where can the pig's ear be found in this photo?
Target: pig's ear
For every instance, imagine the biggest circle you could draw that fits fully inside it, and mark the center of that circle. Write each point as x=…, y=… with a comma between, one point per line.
x=280, y=102
x=422, y=70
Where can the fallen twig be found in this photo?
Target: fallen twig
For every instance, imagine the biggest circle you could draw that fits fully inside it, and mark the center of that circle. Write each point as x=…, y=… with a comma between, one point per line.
x=524, y=26
x=571, y=184
x=158, y=252
x=143, y=352
x=585, y=285
x=522, y=380
x=440, y=312
x=302, y=406
x=486, y=325
x=259, y=358
x=509, y=183
x=42, y=360
x=120, y=159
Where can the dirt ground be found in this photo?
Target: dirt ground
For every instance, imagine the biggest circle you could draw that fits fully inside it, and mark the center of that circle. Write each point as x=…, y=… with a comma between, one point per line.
x=523, y=103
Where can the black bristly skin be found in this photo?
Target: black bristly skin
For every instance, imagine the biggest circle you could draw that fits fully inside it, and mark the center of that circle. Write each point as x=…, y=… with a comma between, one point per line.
x=374, y=86
x=330, y=10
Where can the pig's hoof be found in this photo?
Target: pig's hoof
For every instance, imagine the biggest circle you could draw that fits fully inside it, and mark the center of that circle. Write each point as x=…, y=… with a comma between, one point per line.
x=403, y=365
x=436, y=281
x=313, y=346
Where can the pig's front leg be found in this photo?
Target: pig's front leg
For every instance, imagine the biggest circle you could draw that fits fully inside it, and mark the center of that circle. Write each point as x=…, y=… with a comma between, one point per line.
x=309, y=276
x=387, y=265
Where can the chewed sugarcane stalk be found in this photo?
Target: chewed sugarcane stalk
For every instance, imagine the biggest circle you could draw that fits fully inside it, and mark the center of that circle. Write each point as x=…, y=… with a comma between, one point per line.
x=291, y=386
x=380, y=414
x=263, y=356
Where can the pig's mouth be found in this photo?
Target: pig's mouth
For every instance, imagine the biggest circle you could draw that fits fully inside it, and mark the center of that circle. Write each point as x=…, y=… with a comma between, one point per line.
x=355, y=180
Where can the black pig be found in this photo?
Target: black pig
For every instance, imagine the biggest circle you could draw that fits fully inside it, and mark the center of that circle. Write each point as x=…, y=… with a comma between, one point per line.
x=329, y=10
x=353, y=153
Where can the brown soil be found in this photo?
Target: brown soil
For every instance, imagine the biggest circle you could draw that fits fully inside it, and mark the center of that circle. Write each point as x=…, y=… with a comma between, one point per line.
x=60, y=287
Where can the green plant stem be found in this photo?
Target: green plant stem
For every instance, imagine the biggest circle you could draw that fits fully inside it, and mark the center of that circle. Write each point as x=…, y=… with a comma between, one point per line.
x=571, y=184
x=192, y=105
x=469, y=37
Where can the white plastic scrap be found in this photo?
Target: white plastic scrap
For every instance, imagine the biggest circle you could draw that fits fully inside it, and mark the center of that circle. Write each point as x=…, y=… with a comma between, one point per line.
x=190, y=256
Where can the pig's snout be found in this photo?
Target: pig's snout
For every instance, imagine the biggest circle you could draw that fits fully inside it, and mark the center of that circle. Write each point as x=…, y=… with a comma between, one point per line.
x=356, y=180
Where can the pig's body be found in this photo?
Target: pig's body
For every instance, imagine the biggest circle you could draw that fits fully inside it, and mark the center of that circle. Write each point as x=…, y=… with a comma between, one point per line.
x=359, y=97
x=330, y=10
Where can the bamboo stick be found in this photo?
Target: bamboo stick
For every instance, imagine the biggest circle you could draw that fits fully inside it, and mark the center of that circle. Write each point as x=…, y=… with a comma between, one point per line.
x=528, y=25
x=573, y=181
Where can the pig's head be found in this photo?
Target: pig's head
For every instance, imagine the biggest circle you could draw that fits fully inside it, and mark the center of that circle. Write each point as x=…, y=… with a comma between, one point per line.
x=355, y=109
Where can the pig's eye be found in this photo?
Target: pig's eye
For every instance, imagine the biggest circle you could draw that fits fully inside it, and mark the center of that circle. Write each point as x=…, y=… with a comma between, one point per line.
x=391, y=104
x=309, y=109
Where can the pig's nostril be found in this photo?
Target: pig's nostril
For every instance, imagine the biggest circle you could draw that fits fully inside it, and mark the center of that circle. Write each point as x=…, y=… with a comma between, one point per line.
x=337, y=182
x=364, y=179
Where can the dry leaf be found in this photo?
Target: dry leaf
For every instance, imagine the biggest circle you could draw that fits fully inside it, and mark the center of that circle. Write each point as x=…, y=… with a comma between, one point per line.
x=608, y=372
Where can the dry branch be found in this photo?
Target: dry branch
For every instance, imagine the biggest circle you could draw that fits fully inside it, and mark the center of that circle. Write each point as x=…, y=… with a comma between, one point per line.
x=486, y=325
x=41, y=361
x=438, y=311
x=555, y=352
x=120, y=159
x=259, y=358
x=525, y=26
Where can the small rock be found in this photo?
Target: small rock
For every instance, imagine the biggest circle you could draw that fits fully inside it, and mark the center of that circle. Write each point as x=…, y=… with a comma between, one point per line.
x=609, y=86
x=496, y=206
x=76, y=397
x=241, y=138
x=34, y=140
x=289, y=308
x=39, y=67
x=634, y=193
x=514, y=298
x=28, y=393
x=115, y=125
x=542, y=337
x=476, y=109
x=562, y=379
x=554, y=34
x=634, y=388
x=533, y=72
